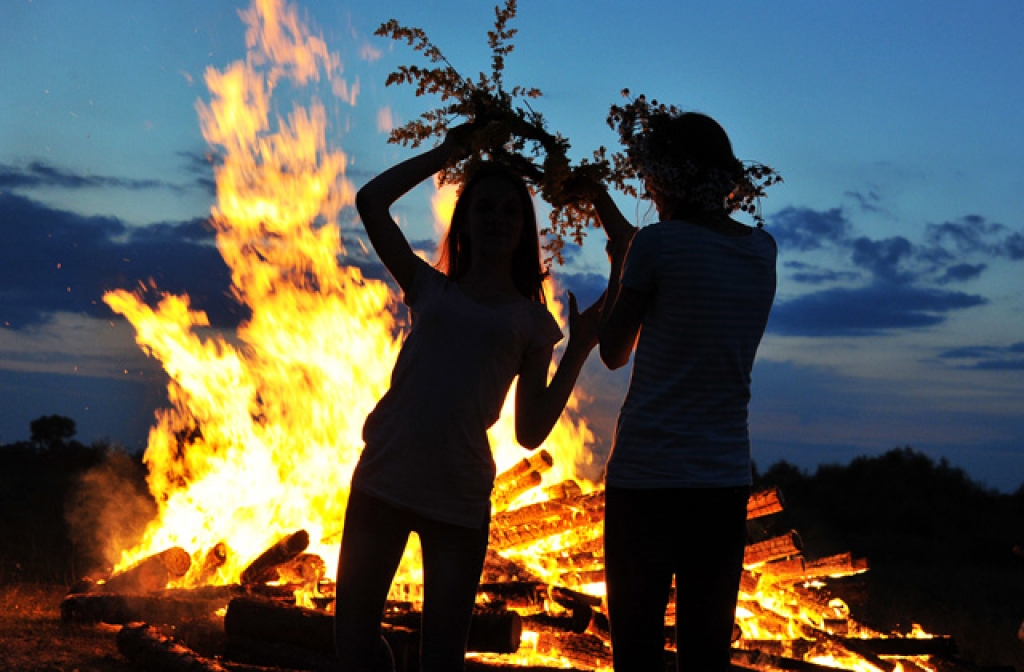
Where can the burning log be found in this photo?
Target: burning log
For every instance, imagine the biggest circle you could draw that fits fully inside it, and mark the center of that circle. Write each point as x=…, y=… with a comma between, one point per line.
x=516, y=594
x=498, y=568
x=783, y=570
x=764, y=503
x=527, y=524
x=563, y=490
x=264, y=568
x=151, y=573
x=305, y=569
x=525, y=475
x=776, y=548
x=148, y=649
x=583, y=650
x=214, y=559
x=531, y=523
x=576, y=621
x=843, y=564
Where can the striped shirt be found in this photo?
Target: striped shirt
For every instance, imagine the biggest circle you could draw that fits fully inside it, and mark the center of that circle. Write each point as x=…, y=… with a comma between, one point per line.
x=683, y=422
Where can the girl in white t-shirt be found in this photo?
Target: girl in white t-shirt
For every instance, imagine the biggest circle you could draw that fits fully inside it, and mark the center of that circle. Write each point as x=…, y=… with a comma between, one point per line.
x=478, y=322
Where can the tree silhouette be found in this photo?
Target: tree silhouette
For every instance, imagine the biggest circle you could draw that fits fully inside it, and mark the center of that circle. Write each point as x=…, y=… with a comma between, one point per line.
x=52, y=430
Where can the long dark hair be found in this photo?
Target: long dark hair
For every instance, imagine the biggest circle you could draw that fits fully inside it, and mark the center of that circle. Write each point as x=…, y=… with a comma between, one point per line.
x=455, y=253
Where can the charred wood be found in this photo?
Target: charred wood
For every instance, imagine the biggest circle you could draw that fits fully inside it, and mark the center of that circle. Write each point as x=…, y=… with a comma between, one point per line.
x=150, y=650
x=151, y=573
x=126, y=608
x=491, y=631
x=264, y=568
x=759, y=659
x=901, y=646
x=264, y=655
x=270, y=621
x=260, y=619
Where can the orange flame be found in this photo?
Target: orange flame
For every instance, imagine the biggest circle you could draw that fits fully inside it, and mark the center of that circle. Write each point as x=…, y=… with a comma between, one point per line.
x=265, y=424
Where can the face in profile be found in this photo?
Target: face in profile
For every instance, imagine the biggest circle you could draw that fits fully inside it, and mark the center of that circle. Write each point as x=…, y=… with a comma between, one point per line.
x=494, y=217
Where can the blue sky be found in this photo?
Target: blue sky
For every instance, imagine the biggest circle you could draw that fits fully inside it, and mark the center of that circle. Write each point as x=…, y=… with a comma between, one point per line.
x=899, y=319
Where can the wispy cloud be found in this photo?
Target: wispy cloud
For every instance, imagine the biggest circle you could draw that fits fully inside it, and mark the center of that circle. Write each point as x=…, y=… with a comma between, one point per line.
x=987, y=357
x=867, y=311
x=38, y=174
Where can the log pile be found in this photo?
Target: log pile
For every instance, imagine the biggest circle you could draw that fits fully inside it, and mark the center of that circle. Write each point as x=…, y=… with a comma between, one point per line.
x=539, y=601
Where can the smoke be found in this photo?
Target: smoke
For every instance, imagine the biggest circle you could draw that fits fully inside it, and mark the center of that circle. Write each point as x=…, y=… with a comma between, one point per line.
x=108, y=510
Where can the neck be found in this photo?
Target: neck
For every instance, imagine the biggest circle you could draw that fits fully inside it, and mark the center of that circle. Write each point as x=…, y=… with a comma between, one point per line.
x=489, y=280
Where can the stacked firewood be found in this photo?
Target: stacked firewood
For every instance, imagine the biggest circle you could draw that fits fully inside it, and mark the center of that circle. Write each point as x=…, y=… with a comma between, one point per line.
x=539, y=601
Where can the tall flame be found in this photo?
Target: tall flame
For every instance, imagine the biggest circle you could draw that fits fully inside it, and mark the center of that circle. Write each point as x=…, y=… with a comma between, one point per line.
x=264, y=427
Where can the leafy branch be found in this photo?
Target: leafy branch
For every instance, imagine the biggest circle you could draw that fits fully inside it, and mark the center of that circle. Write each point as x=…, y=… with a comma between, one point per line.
x=509, y=132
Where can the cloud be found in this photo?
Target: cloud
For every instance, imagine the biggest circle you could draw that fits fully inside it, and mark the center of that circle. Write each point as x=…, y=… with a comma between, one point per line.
x=962, y=273
x=41, y=174
x=55, y=260
x=886, y=259
x=804, y=229
x=987, y=357
x=586, y=286
x=810, y=274
x=876, y=285
x=866, y=311
x=868, y=202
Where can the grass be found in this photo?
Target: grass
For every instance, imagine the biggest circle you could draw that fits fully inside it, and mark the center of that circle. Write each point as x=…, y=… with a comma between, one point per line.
x=33, y=637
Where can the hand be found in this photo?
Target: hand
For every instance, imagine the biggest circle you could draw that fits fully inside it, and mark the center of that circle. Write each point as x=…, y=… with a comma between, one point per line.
x=459, y=139
x=585, y=327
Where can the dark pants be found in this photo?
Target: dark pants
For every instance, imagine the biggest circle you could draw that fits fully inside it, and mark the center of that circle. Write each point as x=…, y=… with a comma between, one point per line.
x=374, y=539
x=695, y=535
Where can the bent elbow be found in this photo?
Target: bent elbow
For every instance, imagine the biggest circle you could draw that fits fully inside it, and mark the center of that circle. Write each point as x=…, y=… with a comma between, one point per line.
x=613, y=359
x=529, y=439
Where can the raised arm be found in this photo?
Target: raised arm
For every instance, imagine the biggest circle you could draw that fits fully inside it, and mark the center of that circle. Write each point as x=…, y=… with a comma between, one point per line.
x=539, y=403
x=374, y=200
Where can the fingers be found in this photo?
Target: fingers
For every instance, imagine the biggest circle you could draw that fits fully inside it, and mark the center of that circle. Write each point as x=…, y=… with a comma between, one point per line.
x=574, y=308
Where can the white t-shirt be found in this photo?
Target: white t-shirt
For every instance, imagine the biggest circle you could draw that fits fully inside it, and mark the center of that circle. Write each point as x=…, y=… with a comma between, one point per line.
x=683, y=422
x=426, y=441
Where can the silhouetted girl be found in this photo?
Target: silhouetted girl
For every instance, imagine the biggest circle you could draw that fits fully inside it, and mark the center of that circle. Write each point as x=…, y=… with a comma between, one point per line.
x=427, y=467
x=693, y=298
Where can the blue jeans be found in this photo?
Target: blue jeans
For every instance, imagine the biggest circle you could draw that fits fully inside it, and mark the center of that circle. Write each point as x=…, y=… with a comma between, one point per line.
x=372, y=544
x=695, y=535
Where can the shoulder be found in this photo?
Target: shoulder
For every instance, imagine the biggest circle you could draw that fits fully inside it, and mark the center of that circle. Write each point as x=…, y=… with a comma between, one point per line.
x=765, y=240
x=425, y=280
